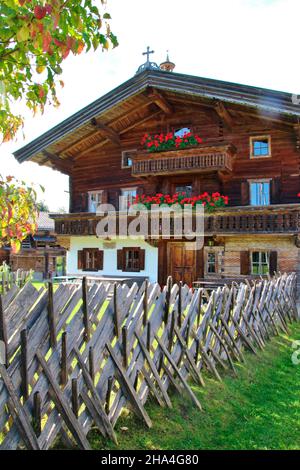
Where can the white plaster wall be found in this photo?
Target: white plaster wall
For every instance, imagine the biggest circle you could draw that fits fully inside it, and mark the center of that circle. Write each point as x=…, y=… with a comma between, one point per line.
x=110, y=257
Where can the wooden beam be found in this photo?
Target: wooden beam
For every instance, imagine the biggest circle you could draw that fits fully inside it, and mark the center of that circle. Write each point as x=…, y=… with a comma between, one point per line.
x=62, y=164
x=113, y=122
x=123, y=131
x=109, y=133
x=224, y=115
x=160, y=101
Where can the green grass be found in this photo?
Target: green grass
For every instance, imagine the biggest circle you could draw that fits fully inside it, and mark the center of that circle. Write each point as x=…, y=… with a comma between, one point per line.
x=258, y=410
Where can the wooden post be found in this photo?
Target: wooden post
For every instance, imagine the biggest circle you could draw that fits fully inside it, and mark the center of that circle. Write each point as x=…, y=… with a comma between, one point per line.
x=110, y=384
x=37, y=414
x=117, y=319
x=168, y=298
x=3, y=332
x=180, y=305
x=149, y=336
x=125, y=347
x=75, y=400
x=24, y=364
x=145, y=303
x=85, y=310
x=63, y=365
x=199, y=307
x=92, y=364
x=136, y=380
x=51, y=316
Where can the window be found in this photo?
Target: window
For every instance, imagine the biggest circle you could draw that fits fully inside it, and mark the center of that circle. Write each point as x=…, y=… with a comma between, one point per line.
x=182, y=132
x=211, y=263
x=127, y=158
x=260, y=262
x=187, y=189
x=260, y=147
x=127, y=196
x=260, y=193
x=90, y=259
x=95, y=199
x=131, y=259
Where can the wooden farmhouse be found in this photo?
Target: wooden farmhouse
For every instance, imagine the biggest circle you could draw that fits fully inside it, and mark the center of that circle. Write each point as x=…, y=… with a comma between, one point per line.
x=250, y=152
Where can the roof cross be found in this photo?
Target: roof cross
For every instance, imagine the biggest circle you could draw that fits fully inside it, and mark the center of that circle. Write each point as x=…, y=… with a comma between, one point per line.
x=148, y=53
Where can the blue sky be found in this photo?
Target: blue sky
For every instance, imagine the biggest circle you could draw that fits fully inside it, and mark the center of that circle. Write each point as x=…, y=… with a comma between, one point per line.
x=246, y=41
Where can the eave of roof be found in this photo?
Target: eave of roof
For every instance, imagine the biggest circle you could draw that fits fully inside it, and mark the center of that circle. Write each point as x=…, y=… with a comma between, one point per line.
x=268, y=100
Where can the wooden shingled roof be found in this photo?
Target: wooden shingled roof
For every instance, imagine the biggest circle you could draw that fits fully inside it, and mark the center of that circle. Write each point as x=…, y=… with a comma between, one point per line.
x=141, y=98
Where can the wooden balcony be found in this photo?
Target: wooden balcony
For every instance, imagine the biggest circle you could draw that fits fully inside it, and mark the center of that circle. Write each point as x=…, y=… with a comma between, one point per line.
x=208, y=158
x=277, y=219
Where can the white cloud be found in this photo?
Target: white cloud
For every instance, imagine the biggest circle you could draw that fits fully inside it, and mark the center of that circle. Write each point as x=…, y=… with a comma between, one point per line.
x=245, y=41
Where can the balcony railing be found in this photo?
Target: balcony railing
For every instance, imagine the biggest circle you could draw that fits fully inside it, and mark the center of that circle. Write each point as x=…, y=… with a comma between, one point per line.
x=200, y=159
x=232, y=220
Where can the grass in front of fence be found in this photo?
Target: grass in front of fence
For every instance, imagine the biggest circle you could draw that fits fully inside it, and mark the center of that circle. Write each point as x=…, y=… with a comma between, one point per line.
x=258, y=410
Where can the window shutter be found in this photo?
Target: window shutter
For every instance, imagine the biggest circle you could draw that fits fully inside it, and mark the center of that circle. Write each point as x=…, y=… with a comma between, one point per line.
x=104, y=197
x=142, y=260
x=245, y=262
x=80, y=259
x=120, y=257
x=84, y=202
x=273, y=262
x=100, y=257
x=275, y=191
x=245, y=193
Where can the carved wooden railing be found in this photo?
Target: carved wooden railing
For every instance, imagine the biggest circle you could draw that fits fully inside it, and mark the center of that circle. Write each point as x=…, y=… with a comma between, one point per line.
x=200, y=159
x=271, y=219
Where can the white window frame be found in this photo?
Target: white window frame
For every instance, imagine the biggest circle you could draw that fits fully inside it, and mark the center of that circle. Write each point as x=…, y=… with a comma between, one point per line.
x=124, y=200
x=124, y=152
x=260, y=264
x=258, y=137
x=260, y=180
x=93, y=193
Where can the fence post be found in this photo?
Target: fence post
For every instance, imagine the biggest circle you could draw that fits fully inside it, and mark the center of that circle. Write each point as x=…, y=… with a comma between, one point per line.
x=117, y=320
x=168, y=298
x=24, y=364
x=51, y=316
x=3, y=333
x=145, y=303
x=85, y=310
x=63, y=365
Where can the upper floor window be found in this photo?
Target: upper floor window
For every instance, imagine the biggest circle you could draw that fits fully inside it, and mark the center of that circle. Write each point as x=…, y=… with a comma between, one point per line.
x=181, y=132
x=186, y=189
x=260, y=193
x=127, y=158
x=95, y=199
x=127, y=197
x=260, y=146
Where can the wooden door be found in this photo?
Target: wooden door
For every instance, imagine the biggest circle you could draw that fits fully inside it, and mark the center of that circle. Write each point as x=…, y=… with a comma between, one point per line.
x=182, y=262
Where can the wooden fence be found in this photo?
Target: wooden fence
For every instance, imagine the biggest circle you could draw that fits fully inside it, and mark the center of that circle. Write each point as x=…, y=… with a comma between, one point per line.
x=76, y=357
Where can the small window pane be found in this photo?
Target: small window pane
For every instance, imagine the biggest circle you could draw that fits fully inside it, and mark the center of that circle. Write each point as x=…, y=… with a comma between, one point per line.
x=127, y=158
x=211, y=263
x=182, y=132
x=187, y=189
x=260, y=147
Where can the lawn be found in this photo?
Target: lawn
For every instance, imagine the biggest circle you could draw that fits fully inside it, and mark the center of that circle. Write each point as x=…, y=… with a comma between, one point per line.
x=258, y=410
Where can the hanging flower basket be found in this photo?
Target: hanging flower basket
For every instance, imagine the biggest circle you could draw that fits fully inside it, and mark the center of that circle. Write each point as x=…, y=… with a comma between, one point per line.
x=169, y=141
